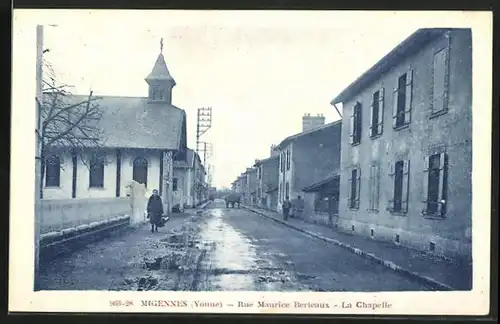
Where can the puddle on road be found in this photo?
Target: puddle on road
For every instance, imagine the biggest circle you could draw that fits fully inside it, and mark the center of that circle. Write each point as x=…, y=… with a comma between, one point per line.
x=236, y=255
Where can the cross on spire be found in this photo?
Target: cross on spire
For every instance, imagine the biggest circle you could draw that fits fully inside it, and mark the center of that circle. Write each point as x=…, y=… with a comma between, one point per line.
x=161, y=45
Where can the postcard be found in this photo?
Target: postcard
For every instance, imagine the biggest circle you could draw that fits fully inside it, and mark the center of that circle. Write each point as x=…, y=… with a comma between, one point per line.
x=278, y=162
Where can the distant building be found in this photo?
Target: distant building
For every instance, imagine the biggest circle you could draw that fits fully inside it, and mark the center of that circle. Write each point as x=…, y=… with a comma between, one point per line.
x=141, y=136
x=308, y=157
x=200, y=185
x=252, y=183
x=407, y=148
x=267, y=180
x=184, y=181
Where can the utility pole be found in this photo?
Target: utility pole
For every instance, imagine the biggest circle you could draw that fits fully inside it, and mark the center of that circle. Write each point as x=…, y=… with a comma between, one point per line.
x=38, y=153
x=203, y=124
x=207, y=151
x=205, y=154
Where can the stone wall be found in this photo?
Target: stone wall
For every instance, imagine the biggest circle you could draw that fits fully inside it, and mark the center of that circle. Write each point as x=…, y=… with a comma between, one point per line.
x=451, y=132
x=58, y=214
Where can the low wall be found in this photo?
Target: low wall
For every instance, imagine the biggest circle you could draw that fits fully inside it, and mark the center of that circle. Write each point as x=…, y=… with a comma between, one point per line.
x=60, y=214
x=67, y=240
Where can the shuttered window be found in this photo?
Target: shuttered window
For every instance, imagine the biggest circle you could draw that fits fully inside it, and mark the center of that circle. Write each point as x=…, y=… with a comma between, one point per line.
x=400, y=175
x=435, y=185
x=355, y=125
x=374, y=185
x=377, y=114
x=440, y=80
x=402, y=100
x=354, y=188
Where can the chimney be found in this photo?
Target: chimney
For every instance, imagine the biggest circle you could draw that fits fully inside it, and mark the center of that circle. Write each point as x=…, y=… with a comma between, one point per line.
x=274, y=151
x=310, y=122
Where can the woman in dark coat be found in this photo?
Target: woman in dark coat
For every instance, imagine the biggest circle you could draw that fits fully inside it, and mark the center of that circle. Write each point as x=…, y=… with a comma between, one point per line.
x=155, y=210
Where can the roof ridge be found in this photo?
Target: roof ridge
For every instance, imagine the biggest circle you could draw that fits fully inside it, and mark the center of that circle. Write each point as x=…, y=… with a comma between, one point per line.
x=421, y=35
x=312, y=130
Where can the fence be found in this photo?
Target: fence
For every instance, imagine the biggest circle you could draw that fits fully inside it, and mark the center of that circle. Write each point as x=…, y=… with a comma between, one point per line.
x=65, y=213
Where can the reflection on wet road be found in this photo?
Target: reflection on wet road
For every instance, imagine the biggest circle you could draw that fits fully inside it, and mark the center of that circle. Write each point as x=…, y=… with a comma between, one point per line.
x=233, y=263
x=218, y=249
x=251, y=253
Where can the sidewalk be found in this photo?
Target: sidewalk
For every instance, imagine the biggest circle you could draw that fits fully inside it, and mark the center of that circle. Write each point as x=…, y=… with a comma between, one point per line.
x=433, y=271
x=115, y=263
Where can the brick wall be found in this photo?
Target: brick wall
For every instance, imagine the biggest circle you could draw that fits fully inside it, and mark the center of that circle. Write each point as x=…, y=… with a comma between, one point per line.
x=451, y=131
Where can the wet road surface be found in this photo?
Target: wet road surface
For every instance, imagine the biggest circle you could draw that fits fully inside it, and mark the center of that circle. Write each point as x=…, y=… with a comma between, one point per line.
x=219, y=249
x=250, y=252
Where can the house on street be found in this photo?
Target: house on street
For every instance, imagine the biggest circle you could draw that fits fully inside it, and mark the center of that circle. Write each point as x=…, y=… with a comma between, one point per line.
x=252, y=182
x=407, y=148
x=308, y=158
x=141, y=137
x=200, y=185
x=267, y=180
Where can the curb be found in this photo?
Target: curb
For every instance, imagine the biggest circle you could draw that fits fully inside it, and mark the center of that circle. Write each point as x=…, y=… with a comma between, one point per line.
x=370, y=256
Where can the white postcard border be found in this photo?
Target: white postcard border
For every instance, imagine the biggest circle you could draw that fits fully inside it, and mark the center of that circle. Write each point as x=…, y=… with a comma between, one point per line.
x=21, y=262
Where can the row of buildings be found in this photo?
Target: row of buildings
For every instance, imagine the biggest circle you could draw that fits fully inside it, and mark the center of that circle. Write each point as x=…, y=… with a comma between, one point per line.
x=397, y=166
x=144, y=141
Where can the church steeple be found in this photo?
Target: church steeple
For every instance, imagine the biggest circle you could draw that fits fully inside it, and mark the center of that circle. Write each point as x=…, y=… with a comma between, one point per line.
x=160, y=81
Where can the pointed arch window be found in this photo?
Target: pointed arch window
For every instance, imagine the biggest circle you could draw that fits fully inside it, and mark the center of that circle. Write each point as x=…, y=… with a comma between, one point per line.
x=140, y=170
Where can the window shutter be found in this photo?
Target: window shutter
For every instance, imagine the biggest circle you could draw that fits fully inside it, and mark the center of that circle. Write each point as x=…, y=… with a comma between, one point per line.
x=371, y=122
x=377, y=186
x=371, y=187
x=288, y=159
x=359, y=122
x=395, y=107
x=446, y=74
x=408, y=101
x=349, y=196
x=380, y=120
x=351, y=128
x=441, y=194
x=390, y=204
x=358, y=183
x=425, y=183
x=406, y=186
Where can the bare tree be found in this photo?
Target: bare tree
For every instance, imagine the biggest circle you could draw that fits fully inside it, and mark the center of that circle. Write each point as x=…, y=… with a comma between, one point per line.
x=69, y=123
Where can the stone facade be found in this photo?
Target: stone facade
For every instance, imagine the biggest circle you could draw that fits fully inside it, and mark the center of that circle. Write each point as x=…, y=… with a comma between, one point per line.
x=252, y=185
x=307, y=158
x=79, y=167
x=267, y=187
x=426, y=131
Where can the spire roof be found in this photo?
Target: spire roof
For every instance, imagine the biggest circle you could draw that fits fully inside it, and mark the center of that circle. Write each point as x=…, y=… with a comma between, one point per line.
x=160, y=71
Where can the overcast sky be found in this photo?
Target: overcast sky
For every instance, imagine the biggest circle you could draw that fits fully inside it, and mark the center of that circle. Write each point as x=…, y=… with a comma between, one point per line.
x=260, y=72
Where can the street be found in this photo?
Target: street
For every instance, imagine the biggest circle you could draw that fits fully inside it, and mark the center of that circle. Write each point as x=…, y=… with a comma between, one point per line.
x=219, y=249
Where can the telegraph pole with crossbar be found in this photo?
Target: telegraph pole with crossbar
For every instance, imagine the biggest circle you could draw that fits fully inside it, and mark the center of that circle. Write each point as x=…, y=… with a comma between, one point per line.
x=203, y=124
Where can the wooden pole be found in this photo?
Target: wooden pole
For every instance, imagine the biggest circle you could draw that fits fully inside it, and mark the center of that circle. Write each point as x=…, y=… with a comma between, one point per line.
x=38, y=146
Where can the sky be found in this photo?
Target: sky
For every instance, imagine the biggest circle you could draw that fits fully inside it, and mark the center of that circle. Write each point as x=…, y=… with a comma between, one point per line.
x=260, y=72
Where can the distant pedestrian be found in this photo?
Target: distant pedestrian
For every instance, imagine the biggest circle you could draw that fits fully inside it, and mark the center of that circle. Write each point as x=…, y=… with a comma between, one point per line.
x=155, y=210
x=298, y=207
x=286, y=208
